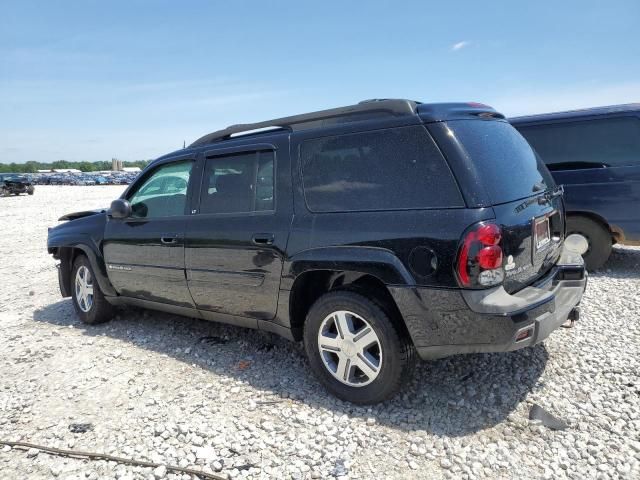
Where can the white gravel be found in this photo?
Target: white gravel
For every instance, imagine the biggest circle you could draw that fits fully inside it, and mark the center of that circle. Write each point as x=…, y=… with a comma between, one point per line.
x=244, y=404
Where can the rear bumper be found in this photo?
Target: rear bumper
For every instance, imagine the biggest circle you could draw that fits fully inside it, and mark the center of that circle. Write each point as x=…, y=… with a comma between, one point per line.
x=449, y=322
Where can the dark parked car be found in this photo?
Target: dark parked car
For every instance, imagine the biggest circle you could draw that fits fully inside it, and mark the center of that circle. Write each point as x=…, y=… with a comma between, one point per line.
x=15, y=184
x=372, y=232
x=595, y=155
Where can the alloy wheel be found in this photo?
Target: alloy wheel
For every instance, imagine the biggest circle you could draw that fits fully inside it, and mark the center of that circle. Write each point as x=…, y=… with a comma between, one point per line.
x=349, y=348
x=84, y=289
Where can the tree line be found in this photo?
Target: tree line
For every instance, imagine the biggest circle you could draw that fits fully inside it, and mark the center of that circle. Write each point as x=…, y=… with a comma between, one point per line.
x=32, y=167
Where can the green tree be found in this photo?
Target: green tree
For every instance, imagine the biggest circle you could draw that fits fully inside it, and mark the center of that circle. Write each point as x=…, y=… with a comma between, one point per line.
x=86, y=166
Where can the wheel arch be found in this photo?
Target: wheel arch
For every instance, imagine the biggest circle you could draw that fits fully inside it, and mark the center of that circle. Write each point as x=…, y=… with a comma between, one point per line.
x=67, y=253
x=367, y=271
x=599, y=219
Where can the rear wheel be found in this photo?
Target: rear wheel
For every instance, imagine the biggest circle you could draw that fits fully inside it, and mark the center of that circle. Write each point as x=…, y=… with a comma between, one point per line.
x=355, y=349
x=88, y=299
x=598, y=238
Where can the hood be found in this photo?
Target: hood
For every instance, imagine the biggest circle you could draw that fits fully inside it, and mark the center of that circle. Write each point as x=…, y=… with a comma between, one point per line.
x=76, y=215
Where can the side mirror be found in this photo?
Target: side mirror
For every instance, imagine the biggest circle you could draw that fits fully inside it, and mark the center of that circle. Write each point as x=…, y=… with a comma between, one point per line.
x=119, y=209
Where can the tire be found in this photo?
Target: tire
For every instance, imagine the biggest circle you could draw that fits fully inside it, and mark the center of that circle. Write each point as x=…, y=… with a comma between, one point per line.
x=391, y=354
x=597, y=236
x=91, y=308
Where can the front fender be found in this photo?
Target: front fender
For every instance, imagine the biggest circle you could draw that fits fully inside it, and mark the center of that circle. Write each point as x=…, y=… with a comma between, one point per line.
x=65, y=238
x=378, y=262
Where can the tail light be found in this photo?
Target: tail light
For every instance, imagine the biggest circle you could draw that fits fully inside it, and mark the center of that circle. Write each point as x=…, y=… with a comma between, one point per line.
x=479, y=262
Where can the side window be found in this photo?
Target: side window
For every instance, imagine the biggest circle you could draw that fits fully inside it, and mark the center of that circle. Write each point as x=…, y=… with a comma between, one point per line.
x=163, y=193
x=238, y=183
x=609, y=142
x=398, y=168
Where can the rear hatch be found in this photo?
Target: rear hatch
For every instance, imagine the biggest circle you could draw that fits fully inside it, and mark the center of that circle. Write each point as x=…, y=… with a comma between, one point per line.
x=526, y=202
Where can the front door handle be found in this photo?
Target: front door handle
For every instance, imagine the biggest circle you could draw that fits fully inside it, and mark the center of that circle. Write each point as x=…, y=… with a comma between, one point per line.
x=263, y=239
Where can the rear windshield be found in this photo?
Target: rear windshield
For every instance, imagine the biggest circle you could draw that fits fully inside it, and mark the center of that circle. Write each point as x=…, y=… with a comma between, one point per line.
x=508, y=167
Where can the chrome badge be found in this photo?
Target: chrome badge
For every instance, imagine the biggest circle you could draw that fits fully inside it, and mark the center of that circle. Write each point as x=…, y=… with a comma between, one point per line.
x=119, y=267
x=510, y=263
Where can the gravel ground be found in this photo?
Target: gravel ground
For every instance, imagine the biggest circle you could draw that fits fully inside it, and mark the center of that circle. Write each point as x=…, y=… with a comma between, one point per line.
x=242, y=403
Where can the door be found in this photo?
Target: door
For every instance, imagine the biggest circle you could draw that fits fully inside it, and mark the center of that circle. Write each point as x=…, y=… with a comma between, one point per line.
x=235, y=242
x=144, y=253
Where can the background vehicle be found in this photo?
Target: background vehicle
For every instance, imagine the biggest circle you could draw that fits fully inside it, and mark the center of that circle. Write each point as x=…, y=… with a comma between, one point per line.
x=595, y=154
x=372, y=232
x=15, y=184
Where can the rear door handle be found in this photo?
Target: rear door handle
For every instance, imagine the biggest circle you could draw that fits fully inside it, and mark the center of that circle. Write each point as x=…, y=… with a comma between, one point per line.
x=263, y=239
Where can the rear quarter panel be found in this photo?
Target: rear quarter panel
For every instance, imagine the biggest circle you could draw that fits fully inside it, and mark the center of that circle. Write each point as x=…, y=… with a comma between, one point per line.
x=399, y=232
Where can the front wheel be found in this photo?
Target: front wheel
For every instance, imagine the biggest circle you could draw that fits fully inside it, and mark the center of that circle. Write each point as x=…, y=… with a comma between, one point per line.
x=355, y=348
x=88, y=299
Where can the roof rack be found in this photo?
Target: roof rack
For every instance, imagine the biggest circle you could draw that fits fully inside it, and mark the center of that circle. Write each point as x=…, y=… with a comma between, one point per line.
x=366, y=108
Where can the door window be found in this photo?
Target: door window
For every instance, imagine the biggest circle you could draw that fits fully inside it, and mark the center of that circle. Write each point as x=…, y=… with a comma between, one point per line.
x=238, y=183
x=163, y=193
x=610, y=142
x=397, y=168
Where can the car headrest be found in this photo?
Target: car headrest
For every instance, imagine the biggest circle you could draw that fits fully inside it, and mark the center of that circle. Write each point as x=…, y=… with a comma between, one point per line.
x=231, y=183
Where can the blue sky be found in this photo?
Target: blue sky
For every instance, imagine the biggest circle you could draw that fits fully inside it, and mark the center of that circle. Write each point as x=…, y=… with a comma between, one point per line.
x=92, y=80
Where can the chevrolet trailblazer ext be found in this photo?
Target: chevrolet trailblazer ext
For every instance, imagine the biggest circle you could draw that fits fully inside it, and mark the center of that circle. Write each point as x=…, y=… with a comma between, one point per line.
x=372, y=232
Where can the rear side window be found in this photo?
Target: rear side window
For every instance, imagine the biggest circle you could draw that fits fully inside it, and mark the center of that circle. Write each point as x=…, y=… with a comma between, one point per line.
x=398, y=168
x=238, y=183
x=610, y=142
x=508, y=167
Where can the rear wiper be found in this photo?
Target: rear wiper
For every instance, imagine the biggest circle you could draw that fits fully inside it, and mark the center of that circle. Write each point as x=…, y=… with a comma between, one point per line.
x=543, y=199
x=538, y=186
x=550, y=195
x=575, y=166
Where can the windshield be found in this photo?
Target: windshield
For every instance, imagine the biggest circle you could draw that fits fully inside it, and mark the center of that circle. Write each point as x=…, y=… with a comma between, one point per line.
x=506, y=163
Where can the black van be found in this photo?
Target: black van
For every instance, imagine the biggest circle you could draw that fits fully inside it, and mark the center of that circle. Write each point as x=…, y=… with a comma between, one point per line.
x=374, y=233
x=595, y=154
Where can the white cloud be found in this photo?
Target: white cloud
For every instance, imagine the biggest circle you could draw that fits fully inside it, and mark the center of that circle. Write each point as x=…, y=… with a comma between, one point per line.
x=459, y=46
x=526, y=101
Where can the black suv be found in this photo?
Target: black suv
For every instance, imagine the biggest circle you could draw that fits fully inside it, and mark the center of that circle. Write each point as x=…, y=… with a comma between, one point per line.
x=15, y=184
x=371, y=232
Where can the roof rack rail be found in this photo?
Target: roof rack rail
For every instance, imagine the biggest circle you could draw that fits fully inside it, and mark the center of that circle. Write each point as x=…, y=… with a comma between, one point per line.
x=395, y=107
